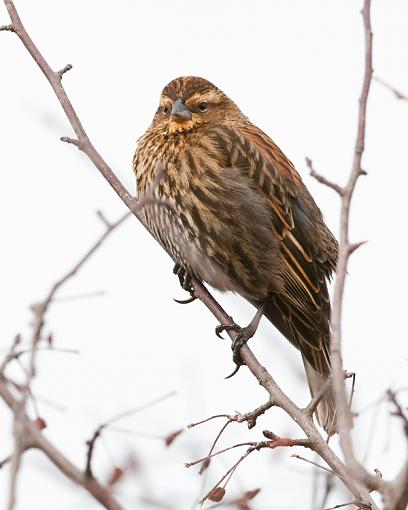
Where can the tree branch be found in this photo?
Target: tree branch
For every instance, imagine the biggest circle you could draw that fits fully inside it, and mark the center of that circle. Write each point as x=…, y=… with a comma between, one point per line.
x=39, y=310
x=35, y=439
x=320, y=178
x=266, y=380
x=344, y=417
x=98, y=431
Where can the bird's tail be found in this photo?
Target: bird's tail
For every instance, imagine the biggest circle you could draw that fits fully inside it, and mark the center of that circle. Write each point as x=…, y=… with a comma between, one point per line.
x=326, y=409
x=313, y=345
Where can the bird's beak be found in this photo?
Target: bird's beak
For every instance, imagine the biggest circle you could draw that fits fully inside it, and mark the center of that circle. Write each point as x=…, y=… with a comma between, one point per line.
x=180, y=111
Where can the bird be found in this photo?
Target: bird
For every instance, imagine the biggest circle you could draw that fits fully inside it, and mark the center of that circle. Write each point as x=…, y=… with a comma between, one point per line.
x=232, y=211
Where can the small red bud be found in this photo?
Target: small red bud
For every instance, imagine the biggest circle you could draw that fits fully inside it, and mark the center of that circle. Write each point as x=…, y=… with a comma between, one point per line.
x=168, y=440
x=40, y=423
x=216, y=494
x=115, y=476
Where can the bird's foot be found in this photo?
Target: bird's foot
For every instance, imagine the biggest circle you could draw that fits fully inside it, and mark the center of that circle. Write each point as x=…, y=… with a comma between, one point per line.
x=241, y=338
x=185, y=282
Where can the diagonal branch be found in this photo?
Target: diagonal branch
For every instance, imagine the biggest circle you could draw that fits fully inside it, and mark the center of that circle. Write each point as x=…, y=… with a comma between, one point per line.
x=397, y=93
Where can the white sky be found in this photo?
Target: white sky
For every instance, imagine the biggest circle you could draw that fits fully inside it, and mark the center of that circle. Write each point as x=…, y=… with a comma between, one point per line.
x=295, y=68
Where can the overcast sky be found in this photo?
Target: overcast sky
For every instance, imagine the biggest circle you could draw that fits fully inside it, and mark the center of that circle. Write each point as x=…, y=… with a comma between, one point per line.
x=295, y=69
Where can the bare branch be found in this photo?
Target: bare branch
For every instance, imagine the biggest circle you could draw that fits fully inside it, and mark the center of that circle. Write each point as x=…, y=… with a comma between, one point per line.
x=358, y=504
x=103, y=218
x=274, y=442
x=10, y=354
x=398, y=94
x=392, y=397
x=98, y=431
x=72, y=141
x=64, y=70
x=35, y=439
x=312, y=406
x=252, y=416
x=191, y=425
x=296, y=456
x=338, y=189
x=7, y=28
x=352, y=247
x=39, y=310
x=281, y=400
x=5, y=461
x=396, y=496
x=15, y=355
x=344, y=417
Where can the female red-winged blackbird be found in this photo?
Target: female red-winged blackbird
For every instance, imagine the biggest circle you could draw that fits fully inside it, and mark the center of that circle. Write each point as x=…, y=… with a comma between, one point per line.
x=231, y=210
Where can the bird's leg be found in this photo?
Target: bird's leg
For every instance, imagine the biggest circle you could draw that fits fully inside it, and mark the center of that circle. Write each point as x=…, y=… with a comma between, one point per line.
x=241, y=338
x=185, y=282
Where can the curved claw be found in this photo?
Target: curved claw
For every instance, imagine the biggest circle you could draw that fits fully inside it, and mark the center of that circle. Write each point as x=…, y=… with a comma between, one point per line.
x=218, y=330
x=226, y=327
x=237, y=367
x=185, y=301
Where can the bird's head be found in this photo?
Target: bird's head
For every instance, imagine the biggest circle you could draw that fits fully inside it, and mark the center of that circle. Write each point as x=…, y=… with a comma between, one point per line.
x=189, y=101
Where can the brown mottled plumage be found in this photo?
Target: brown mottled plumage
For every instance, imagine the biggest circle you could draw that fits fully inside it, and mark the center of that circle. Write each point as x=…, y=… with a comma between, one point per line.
x=231, y=209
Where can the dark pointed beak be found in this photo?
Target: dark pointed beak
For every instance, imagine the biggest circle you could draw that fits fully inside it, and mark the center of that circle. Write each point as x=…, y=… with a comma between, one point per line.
x=180, y=111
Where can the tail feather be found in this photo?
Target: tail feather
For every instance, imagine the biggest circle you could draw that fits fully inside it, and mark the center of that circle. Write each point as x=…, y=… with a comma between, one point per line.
x=326, y=409
x=313, y=343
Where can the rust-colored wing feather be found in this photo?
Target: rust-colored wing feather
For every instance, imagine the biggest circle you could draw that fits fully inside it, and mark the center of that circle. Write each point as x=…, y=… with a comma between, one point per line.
x=302, y=310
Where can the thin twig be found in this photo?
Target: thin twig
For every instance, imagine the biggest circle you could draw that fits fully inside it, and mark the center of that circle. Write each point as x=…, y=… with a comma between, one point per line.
x=5, y=461
x=296, y=456
x=191, y=425
x=344, y=417
x=273, y=442
x=342, y=505
x=251, y=416
x=7, y=28
x=35, y=439
x=64, y=70
x=320, y=178
x=40, y=311
x=98, y=431
x=397, y=93
x=392, y=397
x=17, y=354
x=312, y=406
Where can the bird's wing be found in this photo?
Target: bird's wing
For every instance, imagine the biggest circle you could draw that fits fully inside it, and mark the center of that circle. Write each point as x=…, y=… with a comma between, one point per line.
x=309, y=250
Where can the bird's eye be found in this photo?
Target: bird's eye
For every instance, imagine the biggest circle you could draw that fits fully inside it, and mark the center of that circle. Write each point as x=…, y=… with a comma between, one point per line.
x=165, y=110
x=203, y=106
